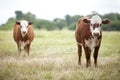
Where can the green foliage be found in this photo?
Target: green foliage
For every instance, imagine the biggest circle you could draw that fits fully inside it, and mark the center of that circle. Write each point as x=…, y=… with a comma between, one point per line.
x=29, y=16
x=112, y=16
x=68, y=20
x=114, y=22
x=9, y=25
x=72, y=26
x=113, y=26
x=44, y=24
x=74, y=20
x=22, y=16
x=19, y=15
x=59, y=24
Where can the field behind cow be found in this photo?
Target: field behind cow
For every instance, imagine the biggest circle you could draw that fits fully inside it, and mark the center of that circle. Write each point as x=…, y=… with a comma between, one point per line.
x=53, y=56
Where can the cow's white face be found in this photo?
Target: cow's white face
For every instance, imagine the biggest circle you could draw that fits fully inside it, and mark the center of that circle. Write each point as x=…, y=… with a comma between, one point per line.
x=23, y=26
x=95, y=24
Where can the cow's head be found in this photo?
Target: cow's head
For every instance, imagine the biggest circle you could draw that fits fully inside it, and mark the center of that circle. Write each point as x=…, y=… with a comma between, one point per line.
x=95, y=24
x=23, y=26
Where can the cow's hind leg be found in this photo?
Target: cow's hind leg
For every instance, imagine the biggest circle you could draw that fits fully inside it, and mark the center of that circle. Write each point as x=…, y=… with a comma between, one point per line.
x=87, y=54
x=79, y=54
x=96, y=55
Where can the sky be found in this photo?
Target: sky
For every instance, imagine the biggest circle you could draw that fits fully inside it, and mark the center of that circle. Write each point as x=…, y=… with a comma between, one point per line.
x=50, y=9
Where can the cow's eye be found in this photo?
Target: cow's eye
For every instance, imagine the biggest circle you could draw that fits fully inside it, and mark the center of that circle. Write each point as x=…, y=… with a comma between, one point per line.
x=91, y=24
x=100, y=24
x=27, y=26
x=20, y=26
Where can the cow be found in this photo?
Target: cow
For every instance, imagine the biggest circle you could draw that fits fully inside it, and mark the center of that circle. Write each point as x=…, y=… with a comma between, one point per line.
x=23, y=35
x=88, y=35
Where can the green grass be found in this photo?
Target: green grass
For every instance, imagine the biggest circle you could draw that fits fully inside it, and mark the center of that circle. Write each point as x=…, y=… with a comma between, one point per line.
x=53, y=56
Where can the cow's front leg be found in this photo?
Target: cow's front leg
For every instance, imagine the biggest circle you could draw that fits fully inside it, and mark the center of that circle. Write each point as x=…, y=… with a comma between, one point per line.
x=19, y=49
x=87, y=54
x=27, y=48
x=96, y=55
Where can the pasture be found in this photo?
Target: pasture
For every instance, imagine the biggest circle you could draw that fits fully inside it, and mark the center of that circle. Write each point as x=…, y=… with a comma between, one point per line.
x=53, y=56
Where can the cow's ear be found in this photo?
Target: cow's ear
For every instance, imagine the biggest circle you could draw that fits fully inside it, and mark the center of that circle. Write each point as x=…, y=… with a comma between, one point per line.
x=105, y=21
x=86, y=20
x=17, y=22
x=30, y=23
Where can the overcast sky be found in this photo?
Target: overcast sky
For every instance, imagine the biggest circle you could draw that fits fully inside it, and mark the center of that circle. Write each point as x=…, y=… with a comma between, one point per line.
x=50, y=9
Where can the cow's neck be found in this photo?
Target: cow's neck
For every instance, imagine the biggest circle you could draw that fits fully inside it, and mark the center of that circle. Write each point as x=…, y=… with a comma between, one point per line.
x=24, y=39
x=92, y=42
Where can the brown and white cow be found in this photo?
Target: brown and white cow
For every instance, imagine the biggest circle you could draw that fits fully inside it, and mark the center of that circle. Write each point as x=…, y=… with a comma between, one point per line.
x=23, y=35
x=88, y=34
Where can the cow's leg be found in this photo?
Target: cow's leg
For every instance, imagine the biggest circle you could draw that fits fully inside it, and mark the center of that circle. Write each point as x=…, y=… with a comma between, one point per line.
x=19, y=49
x=96, y=55
x=87, y=54
x=79, y=54
x=27, y=48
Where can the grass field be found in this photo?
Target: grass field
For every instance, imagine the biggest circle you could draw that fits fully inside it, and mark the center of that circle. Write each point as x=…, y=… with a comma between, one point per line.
x=53, y=56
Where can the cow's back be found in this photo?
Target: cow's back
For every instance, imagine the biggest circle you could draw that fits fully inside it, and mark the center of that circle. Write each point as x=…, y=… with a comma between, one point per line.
x=30, y=33
x=17, y=33
x=82, y=30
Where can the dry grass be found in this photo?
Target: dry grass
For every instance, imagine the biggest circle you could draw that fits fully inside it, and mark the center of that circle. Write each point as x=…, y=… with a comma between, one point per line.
x=53, y=56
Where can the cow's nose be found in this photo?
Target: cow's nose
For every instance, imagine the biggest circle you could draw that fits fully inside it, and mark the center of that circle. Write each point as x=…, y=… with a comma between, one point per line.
x=96, y=34
x=24, y=32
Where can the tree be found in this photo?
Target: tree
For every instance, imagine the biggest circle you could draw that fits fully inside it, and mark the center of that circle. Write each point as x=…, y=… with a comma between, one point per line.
x=29, y=16
x=113, y=26
x=19, y=15
x=59, y=23
x=112, y=16
x=68, y=19
x=72, y=26
x=69, y=22
x=9, y=24
x=44, y=24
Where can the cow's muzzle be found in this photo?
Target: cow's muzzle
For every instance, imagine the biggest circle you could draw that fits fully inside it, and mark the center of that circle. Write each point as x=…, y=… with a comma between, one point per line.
x=24, y=32
x=96, y=34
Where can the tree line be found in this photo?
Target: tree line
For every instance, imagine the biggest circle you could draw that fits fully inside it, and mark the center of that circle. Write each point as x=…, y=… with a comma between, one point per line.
x=68, y=22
